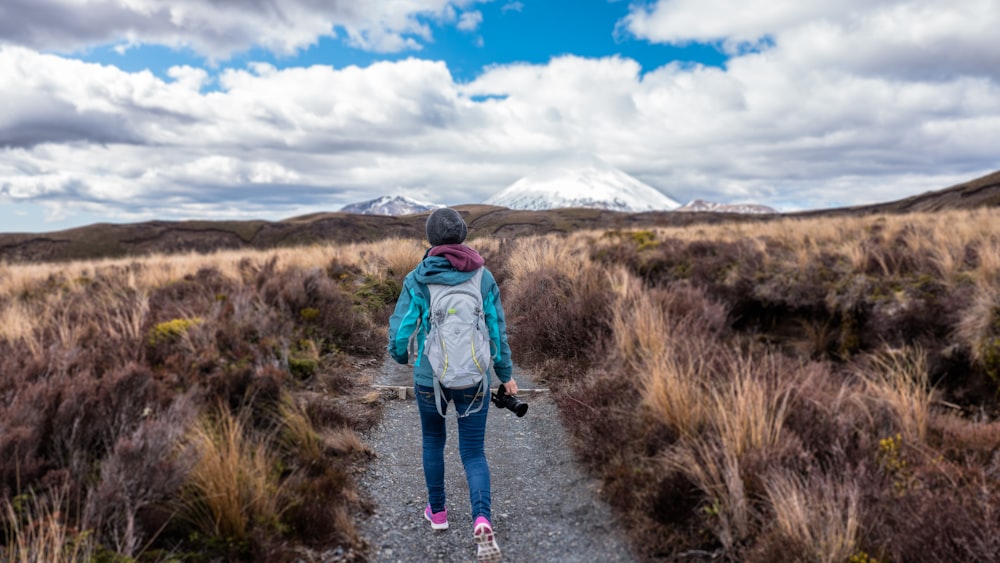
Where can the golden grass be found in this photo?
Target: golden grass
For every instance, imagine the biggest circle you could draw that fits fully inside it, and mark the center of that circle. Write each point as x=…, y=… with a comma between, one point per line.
x=343, y=441
x=296, y=432
x=821, y=519
x=550, y=254
x=17, y=321
x=641, y=330
x=37, y=532
x=898, y=379
x=980, y=323
x=748, y=411
x=716, y=472
x=234, y=487
x=673, y=389
x=646, y=339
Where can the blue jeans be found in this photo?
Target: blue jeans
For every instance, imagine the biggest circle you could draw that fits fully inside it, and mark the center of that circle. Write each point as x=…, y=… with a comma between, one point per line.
x=471, y=438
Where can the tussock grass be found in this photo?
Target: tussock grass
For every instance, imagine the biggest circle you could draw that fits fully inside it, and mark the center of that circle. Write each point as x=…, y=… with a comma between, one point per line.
x=748, y=411
x=793, y=373
x=37, y=530
x=295, y=431
x=819, y=520
x=739, y=387
x=979, y=326
x=544, y=254
x=234, y=488
x=673, y=389
x=716, y=472
x=898, y=379
x=95, y=356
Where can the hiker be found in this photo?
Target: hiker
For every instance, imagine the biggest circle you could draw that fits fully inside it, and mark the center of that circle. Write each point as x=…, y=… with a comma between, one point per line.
x=445, y=265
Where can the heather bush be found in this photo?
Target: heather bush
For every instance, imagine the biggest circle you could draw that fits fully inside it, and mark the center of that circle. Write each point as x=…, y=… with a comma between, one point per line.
x=557, y=309
x=108, y=371
x=795, y=389
x=808, y=390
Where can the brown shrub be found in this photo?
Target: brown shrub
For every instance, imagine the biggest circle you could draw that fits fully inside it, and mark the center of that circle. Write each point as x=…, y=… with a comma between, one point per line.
x=553, y=316
x=144, y=470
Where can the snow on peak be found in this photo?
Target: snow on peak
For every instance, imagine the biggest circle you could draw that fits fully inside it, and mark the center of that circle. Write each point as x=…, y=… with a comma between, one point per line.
x=390, y=205
x=581, y=183
x=714, y=207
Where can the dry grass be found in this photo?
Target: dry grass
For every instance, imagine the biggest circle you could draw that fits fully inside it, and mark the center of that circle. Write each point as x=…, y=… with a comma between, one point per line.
x=897, y=378
x=748, y=411
x=716, y=472
x=234, y=488
x=37, y=531
x=296, y=433
x=673, y=389
x=777, y=409
x=344, y=441
x=820, y=520
x=980, y=323
x=544, y=254
x=690, y=342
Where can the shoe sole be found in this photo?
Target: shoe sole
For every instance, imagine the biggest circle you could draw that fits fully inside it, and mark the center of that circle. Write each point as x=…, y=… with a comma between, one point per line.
x=435, y=526
x=487, y=550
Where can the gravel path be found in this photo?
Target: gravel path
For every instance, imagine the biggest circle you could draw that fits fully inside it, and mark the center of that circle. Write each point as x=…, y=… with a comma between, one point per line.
x=544, y=507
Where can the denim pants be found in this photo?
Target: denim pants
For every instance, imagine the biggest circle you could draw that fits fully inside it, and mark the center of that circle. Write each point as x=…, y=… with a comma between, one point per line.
x=471, y=438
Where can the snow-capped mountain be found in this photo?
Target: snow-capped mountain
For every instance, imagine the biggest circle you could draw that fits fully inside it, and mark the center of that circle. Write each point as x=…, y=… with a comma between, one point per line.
x=587, y=183
x=714, y=207
x=390, y=205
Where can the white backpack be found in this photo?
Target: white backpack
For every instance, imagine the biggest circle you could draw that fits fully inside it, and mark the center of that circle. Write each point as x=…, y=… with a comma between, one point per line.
x=458, y=344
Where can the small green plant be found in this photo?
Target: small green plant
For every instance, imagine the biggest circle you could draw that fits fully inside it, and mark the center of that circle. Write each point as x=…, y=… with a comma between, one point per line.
x=644, y=239
x=374, y=295
x=891, y=460
x=303, y=359
x=862, y=557
x=171, y=330
x=990, y=352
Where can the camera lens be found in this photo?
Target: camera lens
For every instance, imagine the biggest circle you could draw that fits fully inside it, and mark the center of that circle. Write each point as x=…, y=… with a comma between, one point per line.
x=520, y=408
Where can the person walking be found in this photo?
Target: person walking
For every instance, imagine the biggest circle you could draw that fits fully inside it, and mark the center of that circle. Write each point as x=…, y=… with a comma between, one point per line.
x=449, y=262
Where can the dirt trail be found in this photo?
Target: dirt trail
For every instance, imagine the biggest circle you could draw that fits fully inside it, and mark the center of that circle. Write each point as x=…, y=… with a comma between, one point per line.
x=544, y=507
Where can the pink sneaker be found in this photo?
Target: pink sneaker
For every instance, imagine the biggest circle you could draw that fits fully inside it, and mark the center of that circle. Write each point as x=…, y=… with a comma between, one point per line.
x=438, y=520
x=487, y=550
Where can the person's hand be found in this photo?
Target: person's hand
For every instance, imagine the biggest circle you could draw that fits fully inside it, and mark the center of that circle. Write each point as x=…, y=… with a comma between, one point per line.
x=510, y=387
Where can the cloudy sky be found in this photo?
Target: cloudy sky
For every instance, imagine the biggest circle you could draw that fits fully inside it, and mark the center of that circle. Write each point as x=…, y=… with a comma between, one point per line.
x=129, y=110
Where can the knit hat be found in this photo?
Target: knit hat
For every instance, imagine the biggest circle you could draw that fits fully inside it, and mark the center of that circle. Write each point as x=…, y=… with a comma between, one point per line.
x=445, y=226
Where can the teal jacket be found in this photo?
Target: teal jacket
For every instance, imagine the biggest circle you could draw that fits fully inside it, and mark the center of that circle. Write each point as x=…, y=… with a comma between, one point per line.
x=410, y=318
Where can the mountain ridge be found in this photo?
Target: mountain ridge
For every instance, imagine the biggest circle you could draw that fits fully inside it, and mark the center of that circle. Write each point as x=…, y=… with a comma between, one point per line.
x=390, y=205
x=105, y=240
x=701, y=205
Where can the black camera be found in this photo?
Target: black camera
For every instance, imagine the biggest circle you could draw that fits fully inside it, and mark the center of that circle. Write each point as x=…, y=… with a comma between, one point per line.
x=510, y=402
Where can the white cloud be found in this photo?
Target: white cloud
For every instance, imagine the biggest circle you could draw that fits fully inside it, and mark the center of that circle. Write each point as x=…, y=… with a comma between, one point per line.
x=469, y=21
x=844, y=107
x=512, y=7
x=905, y=38
x=222, y=28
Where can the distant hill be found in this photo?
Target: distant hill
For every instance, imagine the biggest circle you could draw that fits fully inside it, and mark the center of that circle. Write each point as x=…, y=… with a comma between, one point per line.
x=117, y=240
x=981, y=192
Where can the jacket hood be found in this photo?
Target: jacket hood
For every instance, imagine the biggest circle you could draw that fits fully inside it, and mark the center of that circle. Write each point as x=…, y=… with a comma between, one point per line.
x=463, y=258
x=438, y=269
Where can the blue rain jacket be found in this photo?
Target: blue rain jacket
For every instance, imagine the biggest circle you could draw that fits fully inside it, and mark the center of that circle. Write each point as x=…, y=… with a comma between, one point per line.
x=410, y=318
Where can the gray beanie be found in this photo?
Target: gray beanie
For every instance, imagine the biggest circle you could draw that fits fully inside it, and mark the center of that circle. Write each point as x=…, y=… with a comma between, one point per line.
x=445, y=226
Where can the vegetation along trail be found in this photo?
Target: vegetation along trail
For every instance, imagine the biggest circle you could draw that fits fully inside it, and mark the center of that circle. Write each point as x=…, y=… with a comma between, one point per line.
x=544, y=507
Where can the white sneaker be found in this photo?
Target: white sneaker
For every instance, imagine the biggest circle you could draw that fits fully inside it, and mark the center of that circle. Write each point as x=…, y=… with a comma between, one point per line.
x=487, y=550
